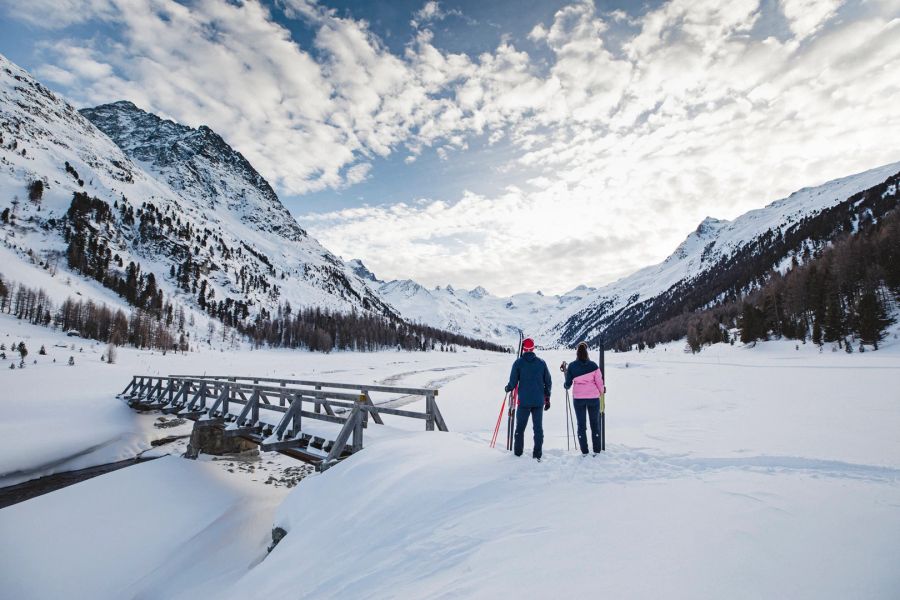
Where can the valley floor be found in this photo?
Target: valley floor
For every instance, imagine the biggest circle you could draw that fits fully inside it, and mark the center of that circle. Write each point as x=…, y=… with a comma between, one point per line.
x=739, y=472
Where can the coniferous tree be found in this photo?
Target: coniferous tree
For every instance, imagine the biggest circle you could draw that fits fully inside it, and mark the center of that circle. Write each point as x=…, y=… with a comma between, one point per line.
x=872, y=320
x=834, y=319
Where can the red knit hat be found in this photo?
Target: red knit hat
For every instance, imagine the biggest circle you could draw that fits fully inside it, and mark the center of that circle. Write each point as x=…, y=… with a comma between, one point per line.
x=528, y=345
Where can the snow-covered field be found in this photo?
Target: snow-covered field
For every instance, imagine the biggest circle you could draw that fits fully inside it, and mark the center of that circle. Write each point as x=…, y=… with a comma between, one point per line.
x=739, y=472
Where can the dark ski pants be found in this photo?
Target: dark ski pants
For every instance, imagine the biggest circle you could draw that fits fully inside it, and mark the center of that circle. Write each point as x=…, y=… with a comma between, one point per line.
x=592, y=407
x=537, y=419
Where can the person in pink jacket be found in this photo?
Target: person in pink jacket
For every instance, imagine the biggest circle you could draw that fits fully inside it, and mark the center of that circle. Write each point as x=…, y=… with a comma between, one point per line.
x=583, y=376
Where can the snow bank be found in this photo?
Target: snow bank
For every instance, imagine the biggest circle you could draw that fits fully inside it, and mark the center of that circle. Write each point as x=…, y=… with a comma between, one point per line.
x=165, y=528
x=740, y=473
x=428, y=516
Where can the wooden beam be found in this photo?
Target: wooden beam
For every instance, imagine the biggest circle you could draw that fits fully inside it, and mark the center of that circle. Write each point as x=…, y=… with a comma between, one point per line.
x=439, y=419
x=342, y=438
x=239, y=431
x=129, y=386
x=323, y=384
x=375, y=416
x=396, y=411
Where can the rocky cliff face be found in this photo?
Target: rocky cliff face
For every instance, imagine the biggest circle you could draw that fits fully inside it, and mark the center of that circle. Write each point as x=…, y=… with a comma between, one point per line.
x=197, y=162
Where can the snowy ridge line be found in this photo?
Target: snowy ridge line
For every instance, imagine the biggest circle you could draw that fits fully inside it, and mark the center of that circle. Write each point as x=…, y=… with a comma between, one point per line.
x=477, y=312
x=726, y=257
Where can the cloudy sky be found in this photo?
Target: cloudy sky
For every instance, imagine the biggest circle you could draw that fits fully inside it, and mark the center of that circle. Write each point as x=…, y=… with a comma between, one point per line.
x=518, y=145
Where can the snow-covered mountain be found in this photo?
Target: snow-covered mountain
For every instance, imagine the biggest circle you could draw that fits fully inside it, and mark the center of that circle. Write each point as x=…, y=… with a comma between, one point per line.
x=197, y=162
x=477, y=312
x=718, y=259
x=722, y=258
x=178, y=202
x=119, y=185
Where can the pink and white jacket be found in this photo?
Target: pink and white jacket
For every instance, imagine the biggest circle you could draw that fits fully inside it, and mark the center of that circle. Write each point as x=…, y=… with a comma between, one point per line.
x=585, y=379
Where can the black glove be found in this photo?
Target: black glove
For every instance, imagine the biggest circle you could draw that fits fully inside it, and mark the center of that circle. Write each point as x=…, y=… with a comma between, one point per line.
x=506, y=389
x=546, y=402
x=564, y=366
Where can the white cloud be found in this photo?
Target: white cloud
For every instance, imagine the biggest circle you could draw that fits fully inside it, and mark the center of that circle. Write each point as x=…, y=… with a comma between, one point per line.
x=805, y=17
x=431, y=11
x=625, y=154
x=56, y=14
x=621, y=148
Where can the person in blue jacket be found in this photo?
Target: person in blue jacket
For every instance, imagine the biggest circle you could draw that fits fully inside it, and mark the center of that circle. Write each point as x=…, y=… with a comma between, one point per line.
x=532, y=376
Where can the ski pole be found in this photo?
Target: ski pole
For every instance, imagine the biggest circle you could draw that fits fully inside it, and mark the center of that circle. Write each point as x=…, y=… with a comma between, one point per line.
x=513, y=402
x=568, y=420
x=574, y=433
x=499, y=418
x=603, y=422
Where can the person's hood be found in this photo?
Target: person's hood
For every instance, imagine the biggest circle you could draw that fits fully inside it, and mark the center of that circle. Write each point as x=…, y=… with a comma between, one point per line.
x=529, y=356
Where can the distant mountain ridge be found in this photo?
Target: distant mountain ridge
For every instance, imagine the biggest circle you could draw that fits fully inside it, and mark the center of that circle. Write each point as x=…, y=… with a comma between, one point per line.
x=475, y=312
x=725, y=258
x=719, y=259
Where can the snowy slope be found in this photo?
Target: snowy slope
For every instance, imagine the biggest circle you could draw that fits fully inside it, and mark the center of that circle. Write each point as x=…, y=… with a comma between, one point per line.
x=708, y=489
x=712, y=250
x=144, y=555
x=475, y=312
x=198, y=196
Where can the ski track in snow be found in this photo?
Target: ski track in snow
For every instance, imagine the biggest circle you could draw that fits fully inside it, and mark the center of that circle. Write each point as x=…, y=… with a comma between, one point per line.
x=622, y=464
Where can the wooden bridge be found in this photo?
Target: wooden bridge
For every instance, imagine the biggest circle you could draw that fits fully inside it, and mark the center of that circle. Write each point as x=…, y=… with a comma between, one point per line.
x=275, y=413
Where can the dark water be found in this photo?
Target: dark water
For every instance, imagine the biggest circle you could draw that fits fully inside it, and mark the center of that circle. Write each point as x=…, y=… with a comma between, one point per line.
x=50, y=483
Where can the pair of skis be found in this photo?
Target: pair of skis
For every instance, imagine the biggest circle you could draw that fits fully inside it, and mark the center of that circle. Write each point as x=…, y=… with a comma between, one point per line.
x=513, y=398
x=601, y=362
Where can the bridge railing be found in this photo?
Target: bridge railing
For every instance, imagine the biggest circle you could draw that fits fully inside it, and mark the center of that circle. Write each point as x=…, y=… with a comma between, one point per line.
x=237, y=403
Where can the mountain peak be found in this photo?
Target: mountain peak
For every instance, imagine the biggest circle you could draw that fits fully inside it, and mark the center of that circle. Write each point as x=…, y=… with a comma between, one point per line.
x=479, y=292
x=196, y=160
x=709, y=225
x=361, y=271
x=122, y=104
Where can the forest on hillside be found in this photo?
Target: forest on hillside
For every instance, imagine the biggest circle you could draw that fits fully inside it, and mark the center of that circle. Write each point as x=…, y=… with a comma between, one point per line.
x=737, y=274
x=156, y=322
x=843, y=292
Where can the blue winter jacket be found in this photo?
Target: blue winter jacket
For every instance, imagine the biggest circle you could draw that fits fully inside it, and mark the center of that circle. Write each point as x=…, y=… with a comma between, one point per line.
x=530, y=373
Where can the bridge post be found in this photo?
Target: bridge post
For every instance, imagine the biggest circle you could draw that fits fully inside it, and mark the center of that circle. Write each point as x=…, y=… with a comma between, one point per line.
x=429, y=411
x=360, y=417
x=295, y=424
